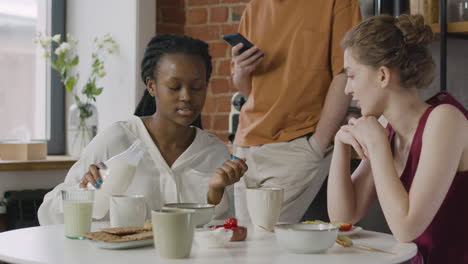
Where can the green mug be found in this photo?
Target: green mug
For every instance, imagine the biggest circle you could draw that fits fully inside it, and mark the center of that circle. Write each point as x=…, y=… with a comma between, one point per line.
x=173, y=231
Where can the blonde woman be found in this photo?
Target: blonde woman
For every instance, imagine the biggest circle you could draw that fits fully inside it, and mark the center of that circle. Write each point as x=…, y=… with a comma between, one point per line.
x=415, y=156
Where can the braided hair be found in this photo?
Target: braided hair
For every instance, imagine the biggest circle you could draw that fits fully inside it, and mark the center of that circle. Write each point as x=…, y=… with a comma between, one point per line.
x=169, y=44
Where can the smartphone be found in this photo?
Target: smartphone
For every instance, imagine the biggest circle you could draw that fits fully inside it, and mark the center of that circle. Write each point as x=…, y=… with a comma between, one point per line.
x=236, y=38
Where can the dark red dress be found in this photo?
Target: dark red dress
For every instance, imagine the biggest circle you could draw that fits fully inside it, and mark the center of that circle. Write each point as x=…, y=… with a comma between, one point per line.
x=445, y=240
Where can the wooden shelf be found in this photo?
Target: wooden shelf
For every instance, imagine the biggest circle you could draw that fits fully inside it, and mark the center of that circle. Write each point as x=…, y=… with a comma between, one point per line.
x=51, y=163
x=453, y=27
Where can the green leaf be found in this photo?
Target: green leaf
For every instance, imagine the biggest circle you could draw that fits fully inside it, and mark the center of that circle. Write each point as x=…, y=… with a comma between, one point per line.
x=85, y=111
x=70, y=83
x=96, y=63
x=77, y=99
x=60, y=60
x=75, y=61
x=98, y=91
x=89, y=88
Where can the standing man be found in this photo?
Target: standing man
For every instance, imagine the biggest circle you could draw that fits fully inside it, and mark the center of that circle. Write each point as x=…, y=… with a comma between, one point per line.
x=296, y=100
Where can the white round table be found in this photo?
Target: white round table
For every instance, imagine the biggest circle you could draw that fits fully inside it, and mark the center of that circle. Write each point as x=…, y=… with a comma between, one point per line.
x=47, y=244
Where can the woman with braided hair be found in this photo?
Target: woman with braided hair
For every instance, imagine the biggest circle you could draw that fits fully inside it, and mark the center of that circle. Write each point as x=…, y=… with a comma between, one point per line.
x=415, y=156
x=182, y=163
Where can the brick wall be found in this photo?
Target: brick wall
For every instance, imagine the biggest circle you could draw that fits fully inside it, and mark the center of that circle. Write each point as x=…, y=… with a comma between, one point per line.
x=207, y=20
x=170, y=16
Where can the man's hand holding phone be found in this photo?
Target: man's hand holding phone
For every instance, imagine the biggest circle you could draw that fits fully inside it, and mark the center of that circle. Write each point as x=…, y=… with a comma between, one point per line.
x=245, y=59
x=246, y=62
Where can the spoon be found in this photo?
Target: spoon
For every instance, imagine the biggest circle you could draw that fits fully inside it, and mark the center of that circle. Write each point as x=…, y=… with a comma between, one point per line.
x=347, y=242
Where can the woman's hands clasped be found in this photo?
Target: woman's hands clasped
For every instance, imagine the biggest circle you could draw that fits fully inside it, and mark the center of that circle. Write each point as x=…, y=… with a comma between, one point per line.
x=361, y=134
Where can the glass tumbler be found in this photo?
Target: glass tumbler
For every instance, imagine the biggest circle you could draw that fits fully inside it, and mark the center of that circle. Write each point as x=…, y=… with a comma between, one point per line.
x=77, y=211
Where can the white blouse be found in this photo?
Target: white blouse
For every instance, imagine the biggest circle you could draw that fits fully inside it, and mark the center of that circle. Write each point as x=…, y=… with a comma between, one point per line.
x=185, y=181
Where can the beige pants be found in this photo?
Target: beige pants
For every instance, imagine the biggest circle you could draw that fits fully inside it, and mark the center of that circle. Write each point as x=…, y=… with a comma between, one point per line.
x=298, y=166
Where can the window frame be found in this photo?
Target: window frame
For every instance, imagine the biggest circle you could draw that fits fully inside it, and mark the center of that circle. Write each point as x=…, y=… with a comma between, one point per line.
x=56, y=105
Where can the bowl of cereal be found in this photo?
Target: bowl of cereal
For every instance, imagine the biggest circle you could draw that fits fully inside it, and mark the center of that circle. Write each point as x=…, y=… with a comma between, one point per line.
x=203, y=212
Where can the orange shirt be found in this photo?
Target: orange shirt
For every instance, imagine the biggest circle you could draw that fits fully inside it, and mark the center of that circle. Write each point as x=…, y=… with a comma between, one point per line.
x=301, y=40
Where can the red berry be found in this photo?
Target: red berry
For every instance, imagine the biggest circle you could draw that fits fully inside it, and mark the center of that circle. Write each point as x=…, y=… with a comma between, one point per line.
x=230, y=223
x=346, y=227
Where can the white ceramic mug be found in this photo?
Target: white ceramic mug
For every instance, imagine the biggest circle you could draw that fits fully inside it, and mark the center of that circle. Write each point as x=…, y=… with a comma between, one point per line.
x=264, y=206
x=173, y=232
x=127, y=210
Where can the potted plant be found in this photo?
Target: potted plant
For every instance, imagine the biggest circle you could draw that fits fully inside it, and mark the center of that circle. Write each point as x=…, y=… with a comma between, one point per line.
x=82, y=120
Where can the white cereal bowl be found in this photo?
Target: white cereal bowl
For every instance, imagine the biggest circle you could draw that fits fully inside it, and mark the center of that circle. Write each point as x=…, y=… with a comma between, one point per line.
x=212, y=238
x=306, y=238
x=203, y=212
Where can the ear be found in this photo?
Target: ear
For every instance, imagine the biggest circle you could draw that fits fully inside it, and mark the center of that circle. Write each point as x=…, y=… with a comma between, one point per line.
x=385, y=75
x=151, y=86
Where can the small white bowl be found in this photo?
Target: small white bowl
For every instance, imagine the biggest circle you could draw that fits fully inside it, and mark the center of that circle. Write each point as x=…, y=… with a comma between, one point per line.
x=203, y=212
x=306, y=238
x=212, y=238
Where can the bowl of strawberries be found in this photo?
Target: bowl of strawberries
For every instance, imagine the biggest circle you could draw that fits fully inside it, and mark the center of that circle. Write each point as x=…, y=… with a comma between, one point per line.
x=239, y=233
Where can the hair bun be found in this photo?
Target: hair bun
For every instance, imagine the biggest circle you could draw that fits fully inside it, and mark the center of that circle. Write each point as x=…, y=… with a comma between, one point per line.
x=415, y=31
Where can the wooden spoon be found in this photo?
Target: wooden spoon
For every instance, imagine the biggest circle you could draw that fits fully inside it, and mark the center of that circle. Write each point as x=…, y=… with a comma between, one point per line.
x=347, y=242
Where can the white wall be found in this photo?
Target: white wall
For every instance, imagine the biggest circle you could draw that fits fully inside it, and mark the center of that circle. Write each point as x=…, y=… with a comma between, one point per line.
x=132, y=23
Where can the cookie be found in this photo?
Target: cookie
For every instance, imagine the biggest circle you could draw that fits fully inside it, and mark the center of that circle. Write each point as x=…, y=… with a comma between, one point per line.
x=106, y=237
x=101, y=236
x=139, y=236
x=124, y=230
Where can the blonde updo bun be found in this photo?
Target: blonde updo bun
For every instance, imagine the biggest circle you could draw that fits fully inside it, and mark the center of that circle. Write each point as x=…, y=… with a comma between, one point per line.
x=399, y=43
x=414, y=30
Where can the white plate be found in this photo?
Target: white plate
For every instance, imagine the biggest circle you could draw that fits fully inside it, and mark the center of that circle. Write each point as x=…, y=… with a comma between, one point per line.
x=122, y=245
x=353, y=230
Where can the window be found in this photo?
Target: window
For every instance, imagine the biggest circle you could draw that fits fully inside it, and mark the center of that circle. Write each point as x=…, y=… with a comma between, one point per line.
x=23, y=72
x=27, y=85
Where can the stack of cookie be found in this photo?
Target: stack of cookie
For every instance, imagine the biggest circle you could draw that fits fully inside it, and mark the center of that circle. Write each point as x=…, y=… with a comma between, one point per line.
x=121, y=234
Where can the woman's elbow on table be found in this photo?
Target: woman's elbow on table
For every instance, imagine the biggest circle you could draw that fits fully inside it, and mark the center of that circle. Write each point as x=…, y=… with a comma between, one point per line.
x=403, y=238
x=406, y=233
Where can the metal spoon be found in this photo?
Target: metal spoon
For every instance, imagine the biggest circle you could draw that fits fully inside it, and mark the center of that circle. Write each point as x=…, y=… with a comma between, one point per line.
x=347, y=242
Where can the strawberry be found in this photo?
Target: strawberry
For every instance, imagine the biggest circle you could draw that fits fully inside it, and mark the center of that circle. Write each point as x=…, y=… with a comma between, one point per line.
x=230, y=223
x=346, y=226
